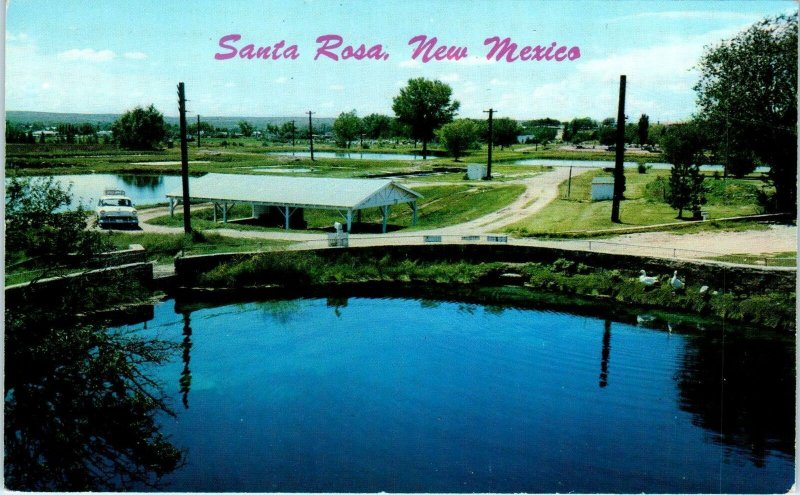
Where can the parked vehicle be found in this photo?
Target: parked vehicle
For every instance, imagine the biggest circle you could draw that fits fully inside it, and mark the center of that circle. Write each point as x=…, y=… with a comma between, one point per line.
x=115, y=209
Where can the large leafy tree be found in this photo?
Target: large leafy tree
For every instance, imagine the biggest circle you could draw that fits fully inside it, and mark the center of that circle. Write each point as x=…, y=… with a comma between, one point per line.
x=747, y=96
x=458, y=136
x=140, y=128
x=346, y=128
x=683, y=147
x=424, y=106
x=377, y=126
x=505, y=132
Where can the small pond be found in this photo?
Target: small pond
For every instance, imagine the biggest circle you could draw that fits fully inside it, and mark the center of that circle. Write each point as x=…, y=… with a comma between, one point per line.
x=610, y=164
x=351, y=155
x=405, y=395
x=142, y=189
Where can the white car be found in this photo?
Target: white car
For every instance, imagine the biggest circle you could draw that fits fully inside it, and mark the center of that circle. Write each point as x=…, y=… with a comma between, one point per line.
x=116, y=209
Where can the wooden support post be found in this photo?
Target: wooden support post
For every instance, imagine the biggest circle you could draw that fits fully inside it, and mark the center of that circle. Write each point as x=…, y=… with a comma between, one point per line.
x=619, y=171
x=224, y=212
x=286, y=215
x=172, y=207
x=491, y=138
x=349, y=219
x=385, y=211
x=187, y=217
x=413, y=213
x=215, y=212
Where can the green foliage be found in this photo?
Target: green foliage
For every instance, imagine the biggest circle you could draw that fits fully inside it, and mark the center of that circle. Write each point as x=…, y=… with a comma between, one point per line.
x=505, y=132
x=140, y=128
x=424, y=106
x=458, y=136
x=657, y=190
x=643, y=129
x=39, y=223
x=683, y=146
x=346, y=128
x=246, y=128
x=377, y=126
x=747, y=96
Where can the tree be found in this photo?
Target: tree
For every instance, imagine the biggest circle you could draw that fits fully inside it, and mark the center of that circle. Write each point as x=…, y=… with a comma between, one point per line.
x=607, y=132
x=377, y=126
x=683, y=147
x=424, y=106
x=40, y=223
x=246, y=128
x=205, y=129
x=747, y=94
x=346, y=128
x=505, y=131
x=458, y=136
x=140, y=128
x=643, y=129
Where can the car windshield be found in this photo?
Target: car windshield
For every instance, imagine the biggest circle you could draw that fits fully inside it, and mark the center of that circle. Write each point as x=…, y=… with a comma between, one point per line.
x=115, y=202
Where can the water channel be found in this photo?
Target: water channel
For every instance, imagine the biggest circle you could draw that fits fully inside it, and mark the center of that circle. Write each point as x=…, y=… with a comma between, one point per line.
x=361, y=394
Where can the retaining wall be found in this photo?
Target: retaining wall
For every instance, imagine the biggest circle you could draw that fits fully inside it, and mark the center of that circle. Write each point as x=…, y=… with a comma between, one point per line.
x=729, y=277
x=45, y=288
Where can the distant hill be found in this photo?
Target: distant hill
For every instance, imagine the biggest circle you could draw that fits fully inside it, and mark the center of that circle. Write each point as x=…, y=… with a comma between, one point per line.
x=106, y=119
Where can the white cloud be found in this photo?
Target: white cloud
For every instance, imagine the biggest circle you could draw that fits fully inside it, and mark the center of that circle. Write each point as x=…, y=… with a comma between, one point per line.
x=451, y=77
x=87, y=55
x=410, y=64
x=135, y=55
x=10, y=37
x=682, y=15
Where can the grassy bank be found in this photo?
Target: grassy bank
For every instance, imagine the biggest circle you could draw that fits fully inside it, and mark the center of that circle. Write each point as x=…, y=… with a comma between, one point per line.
x=574, y=213
x=773, y=310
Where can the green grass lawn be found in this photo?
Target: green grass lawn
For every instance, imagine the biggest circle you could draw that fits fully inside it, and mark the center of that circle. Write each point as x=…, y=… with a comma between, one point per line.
x=577, y=213
x=786, y=258
x=440, y=206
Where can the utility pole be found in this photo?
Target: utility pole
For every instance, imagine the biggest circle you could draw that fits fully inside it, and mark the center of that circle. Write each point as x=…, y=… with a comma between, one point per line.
x=491, y=138
x=187, y=219
x=310, y=134
x=293, y=125
x=619, y=171
x=198, y=130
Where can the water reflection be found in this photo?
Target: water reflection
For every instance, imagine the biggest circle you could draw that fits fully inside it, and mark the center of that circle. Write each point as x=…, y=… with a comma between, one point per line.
x=186, y=374
x=605, y=354
x=151, y=182
x=742, y=389
x=79, y=409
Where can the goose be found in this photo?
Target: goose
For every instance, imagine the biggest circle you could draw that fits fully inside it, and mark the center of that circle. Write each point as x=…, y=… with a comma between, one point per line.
x=643, y=278
x=675, y=281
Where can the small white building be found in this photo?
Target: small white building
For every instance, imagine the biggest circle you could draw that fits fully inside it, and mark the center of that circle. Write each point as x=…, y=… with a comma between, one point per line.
x=476, y=171
x=602, y=188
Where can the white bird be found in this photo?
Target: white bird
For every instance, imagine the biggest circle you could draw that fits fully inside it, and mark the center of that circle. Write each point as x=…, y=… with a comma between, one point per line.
x=675, y=281
x=643, y=278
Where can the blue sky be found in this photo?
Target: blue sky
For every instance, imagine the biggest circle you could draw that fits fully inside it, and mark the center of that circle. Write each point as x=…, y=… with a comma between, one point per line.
x=109, y=56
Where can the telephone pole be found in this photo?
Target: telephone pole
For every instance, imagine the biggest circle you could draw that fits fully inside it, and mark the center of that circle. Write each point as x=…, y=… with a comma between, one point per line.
x=619, y=171
x=293, y=126
x=187, y=219
x=310, y=134
x=198, y=130
x=491, y=138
